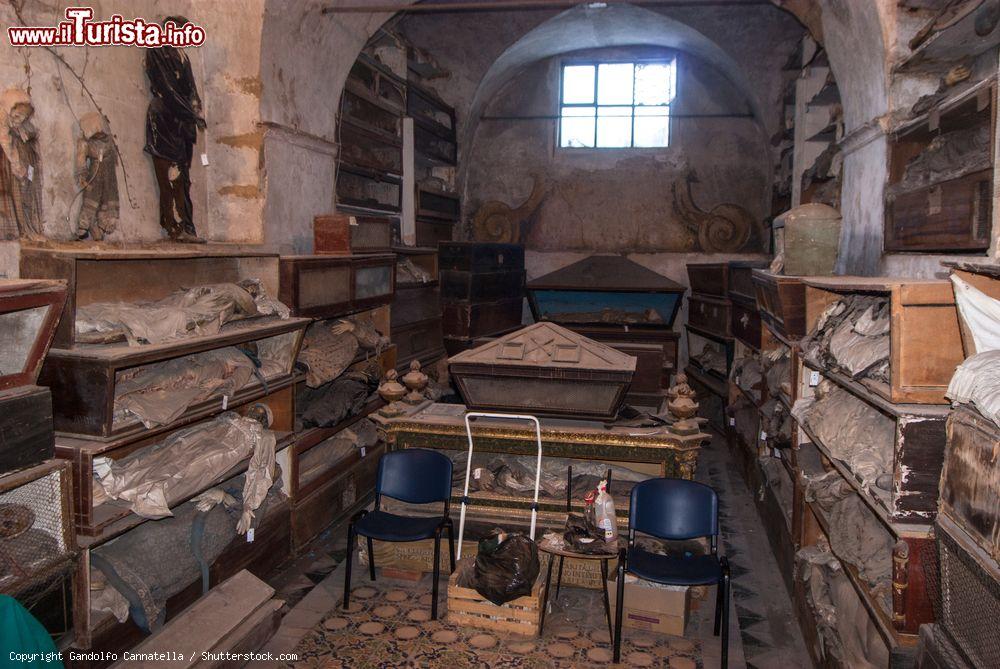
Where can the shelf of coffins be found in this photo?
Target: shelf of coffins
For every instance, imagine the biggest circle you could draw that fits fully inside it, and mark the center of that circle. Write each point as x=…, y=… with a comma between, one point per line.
x=95, y=275
x=96, y=524
x=434, y=127
x=328, y=286
x=924, y=335
x=932, y=206
x=38, y=545
x=721, y=349
x=438, y=205
x=89, y=378
x=366, y=147
x=99, y=631
x=376, y=83
x=416, y=313
x=369, y=190
x=954, y=35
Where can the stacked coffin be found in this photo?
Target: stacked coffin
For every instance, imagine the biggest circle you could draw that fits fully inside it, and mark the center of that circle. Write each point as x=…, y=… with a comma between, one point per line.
x=172, y=377
x=618, y=302
x=416, y=311
x=36, y=526
x=482, y=291
x=710, y=338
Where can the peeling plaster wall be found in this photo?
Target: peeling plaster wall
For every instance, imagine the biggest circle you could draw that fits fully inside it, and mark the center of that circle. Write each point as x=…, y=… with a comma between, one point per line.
x=226, y=195
x=620, y=200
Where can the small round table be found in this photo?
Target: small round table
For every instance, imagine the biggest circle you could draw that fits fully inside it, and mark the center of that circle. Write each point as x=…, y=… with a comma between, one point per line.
x=563, y=552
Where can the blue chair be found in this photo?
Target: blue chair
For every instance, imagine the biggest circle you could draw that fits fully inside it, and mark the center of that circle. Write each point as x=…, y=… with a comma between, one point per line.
x=415, y=476
x=675, y=510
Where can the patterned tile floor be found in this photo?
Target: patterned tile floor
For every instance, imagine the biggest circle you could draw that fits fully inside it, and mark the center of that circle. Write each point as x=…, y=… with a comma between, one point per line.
x=764, y=633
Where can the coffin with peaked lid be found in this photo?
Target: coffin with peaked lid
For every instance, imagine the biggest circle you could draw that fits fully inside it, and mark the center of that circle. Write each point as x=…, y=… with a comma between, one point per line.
x=544, y=369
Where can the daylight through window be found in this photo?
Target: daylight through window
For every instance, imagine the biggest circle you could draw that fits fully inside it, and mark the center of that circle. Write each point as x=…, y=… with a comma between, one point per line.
x=616, y=105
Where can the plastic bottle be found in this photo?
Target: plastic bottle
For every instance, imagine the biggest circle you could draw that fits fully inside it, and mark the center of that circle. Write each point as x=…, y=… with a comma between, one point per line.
x=604, y=510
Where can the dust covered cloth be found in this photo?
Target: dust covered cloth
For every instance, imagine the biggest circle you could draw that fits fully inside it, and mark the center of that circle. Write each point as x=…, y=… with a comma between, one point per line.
x=980, y=313
x=153, y=478
x=159, y=393
x=977, y=381
x=851, y=430
x=329, y=347
x=333, y=402
x=202, y=310
x=852, y=336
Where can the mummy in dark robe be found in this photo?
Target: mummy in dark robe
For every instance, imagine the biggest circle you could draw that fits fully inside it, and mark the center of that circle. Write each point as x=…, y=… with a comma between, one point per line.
x=20, y=168
x=172, y=123
x=96, y=177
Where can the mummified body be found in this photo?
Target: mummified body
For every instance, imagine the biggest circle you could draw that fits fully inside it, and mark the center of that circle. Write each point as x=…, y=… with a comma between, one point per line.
x=96, y=176
x=172, y=123
x=20, y=168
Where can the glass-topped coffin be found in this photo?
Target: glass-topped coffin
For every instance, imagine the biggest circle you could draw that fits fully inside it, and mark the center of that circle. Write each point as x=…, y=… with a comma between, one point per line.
x=605, y=290
x=29, y=313
x=544, y=369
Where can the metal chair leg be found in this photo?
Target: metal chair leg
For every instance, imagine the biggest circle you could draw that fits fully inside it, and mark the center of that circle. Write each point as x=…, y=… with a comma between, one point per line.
x=559, y=578
x=371, y=558
x=451, y=544
x=604, y=591
x=437, y=573
x=725, y=615
x=351, y=541
x=619, y=608
x=718, y=607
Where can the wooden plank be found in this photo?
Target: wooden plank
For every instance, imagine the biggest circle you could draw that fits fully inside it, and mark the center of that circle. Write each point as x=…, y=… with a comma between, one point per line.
x=209, y=620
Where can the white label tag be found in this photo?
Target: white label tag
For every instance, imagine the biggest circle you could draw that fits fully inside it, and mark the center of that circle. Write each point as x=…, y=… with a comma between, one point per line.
x=31, y=173
x=777, y=454
x=250, y=536
x=763, y=435
x=813, y=378
x=732, y=422
x=737, y=380
x=477, y=473
x=352, y=221
x=225, y=402
x=204, y=159
x=362, y=451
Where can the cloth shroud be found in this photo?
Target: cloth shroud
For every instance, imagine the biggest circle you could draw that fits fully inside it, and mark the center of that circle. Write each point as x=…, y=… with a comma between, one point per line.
x=980, y=313
x=852, y=335
x=152, y=479
x=202, y=310
x=977, y=381
x=331, y=403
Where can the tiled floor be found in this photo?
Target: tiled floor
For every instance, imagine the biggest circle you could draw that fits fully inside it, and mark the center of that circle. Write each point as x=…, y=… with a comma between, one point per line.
x=764, y=633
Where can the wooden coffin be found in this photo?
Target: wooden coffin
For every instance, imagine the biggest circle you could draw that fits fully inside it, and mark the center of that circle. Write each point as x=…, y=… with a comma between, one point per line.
x=925, y=338
x=699, y=340
x=29, y=314
x=132, y=275
x=101, y=522
x=615, y=334
x=711, y=314
x=374, y=82
x=709, y=278
x=431, y=232
x=741, y=286
x=953, y=216
x=346, y=234
x=425, y=258
x=84, y=380
x=430, y=111
x=341, y=489
x=745, y=325
x=435, y=205
x=782, y=303
x=361, y=111
x=423, y=341
x=26, y=437
x=465, y=319
x=649, y=363
x=414, y=303
x=544, y=369
x=433, y=147
x=369, y=189
x=366, y=147
x=970, y=478
x=481, y=286
x=329, y=286
x=38, y=528
x=605, y=289
x=480, y=256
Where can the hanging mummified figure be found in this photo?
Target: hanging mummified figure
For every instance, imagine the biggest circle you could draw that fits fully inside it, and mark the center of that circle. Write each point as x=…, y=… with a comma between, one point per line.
x=172, y=124
x=96, y=176
x=20, y=168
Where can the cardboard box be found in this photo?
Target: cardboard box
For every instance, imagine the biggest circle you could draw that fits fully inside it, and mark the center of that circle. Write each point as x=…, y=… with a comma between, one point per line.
x=651, y=607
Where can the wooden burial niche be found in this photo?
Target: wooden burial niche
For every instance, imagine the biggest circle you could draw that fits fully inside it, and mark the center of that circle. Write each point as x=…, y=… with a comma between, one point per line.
x=782, y=303
x=544, y=369
x=29, y=314
x=346, y=234
x=330, y=286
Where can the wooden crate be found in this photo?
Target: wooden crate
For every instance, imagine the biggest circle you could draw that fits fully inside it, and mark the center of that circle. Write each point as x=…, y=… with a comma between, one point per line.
x=130, y=275
x=85, y=378
x=523, y=615
x=782, y=303
x=925, y=338
x=328, y=286
x=346, y=234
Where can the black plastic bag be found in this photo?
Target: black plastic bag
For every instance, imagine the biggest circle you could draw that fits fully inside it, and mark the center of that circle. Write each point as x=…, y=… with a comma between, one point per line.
x=506, y=567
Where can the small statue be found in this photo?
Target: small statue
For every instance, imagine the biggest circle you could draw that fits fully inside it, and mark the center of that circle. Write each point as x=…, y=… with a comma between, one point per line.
x=20, y=168
x=172, y=123
x=96, y=176
x=683, y=406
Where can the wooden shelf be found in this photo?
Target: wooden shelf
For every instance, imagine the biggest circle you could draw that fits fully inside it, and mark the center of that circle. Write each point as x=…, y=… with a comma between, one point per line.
x=943, y=49
x=879, y=400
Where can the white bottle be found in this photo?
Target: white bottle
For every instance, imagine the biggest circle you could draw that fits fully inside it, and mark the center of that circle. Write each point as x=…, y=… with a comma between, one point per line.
x=604, y=512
